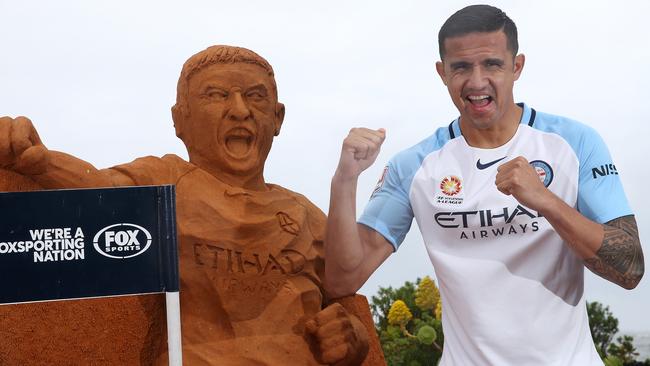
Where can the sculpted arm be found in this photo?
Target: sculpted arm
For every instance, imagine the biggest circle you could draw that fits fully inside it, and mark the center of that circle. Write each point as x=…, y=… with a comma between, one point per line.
x=352, y=251
x=611, y=250
x=22, y=151
x=66, y=171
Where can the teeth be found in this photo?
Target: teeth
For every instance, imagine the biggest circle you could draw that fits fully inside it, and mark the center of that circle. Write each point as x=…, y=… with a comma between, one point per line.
x=477, y=97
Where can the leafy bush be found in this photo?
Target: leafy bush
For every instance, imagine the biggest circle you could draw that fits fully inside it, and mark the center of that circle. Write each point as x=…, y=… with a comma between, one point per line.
x=408, y=323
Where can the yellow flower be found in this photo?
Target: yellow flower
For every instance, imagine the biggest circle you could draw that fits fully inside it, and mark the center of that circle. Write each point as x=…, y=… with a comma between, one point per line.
x=438, y=310
x=399, y=314
x=427, y=294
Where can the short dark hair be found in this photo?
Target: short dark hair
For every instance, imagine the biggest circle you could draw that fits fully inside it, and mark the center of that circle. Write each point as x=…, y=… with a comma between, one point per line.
x=478, y=18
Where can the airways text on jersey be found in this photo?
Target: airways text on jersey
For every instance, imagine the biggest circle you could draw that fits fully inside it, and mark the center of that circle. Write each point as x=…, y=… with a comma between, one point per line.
x=489, y=223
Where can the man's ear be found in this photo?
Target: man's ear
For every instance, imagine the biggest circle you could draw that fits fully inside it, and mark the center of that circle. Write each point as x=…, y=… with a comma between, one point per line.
x=440, y=68
x=520, y=60
x=279, y=117
x=178, y=116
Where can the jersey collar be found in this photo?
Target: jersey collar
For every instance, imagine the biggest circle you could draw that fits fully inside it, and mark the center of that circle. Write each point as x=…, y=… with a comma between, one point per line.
x=527, y=117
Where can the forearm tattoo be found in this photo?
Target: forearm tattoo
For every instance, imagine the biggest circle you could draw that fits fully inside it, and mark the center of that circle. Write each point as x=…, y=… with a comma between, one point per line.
x=620, y=258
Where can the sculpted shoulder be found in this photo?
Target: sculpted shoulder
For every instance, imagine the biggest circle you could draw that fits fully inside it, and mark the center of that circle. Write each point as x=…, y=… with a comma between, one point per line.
x=150, y=170
x=317, y=217
x=301, y=199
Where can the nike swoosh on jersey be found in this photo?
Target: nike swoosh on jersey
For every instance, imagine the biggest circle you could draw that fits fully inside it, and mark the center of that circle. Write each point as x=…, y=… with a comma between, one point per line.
x=487, y=165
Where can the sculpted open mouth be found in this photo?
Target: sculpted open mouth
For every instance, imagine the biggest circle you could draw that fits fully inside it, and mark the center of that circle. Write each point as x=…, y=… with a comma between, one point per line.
x=239, y=142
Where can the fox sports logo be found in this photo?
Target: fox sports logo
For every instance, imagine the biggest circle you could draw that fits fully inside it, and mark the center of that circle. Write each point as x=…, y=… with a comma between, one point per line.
x=121, y=241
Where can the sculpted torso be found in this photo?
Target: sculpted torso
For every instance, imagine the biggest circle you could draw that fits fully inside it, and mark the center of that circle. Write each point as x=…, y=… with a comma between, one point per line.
x=251, y=276
x=250, y=265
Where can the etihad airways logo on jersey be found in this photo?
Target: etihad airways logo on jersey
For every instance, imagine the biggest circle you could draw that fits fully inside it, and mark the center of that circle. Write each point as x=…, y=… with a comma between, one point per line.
x=489, y=223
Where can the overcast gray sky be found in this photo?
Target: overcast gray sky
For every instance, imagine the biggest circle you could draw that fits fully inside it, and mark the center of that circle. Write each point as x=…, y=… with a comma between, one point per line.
x=98, y=79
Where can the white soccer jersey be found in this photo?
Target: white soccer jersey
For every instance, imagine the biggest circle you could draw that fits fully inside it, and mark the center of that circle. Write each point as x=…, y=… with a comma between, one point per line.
x=512, y=290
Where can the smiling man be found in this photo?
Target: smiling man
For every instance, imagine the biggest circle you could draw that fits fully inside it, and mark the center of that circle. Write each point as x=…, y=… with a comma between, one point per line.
x=250, y=252
x=512, y=205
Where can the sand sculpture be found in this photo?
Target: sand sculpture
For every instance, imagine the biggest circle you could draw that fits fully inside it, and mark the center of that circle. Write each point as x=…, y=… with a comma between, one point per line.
x=250, y=252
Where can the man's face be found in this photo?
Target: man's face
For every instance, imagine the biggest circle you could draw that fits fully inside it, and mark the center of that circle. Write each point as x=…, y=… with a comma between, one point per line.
x=233, y=116
x=480, y=72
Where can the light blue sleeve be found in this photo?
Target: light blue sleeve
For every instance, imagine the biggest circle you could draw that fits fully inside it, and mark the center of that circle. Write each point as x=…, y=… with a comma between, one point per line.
x=600, y=193
x=389, y=210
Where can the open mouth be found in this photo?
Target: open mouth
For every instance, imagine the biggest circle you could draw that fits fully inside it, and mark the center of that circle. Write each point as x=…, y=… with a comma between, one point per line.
x=239, y=142
x=479, y=100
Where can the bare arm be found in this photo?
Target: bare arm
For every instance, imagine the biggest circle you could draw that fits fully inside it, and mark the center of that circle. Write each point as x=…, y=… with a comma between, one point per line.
x=611, y=250
x=619, y=258
x=352, y=251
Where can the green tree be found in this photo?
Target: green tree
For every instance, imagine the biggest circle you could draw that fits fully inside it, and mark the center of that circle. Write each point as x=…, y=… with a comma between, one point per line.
x=612, y=361
x=624, y=350
x=603, y=326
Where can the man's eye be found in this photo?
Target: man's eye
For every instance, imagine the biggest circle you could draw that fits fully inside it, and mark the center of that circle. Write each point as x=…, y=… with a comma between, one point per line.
x=493, y=64
x=255, y=95
x=216, y=94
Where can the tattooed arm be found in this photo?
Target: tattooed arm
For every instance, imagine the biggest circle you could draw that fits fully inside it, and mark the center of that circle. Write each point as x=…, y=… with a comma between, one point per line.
x=620, y=258
x=612, y=250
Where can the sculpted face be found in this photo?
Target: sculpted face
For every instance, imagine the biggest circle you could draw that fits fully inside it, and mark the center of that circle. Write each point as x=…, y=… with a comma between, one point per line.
x=479, y=71
x=232, y=117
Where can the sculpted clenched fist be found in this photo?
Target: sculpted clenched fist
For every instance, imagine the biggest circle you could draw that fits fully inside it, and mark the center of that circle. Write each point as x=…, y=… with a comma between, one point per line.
x=341, y=339
x=21, y=150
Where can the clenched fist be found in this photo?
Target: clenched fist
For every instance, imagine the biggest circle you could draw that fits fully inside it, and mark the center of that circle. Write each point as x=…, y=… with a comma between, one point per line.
x=519, y=179
x=21, y=150
x=360, y=149
x=341, y=339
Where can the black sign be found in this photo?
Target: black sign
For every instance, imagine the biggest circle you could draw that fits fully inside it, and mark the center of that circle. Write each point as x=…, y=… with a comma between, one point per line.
x=68, y=244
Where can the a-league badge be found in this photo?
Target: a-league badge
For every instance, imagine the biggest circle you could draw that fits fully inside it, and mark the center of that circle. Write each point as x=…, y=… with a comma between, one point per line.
x=451, y=185
x=380, y=183
x=451, y=188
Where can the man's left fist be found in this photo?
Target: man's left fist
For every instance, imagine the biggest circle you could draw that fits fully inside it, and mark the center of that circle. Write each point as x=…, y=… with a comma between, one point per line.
x=341, y=339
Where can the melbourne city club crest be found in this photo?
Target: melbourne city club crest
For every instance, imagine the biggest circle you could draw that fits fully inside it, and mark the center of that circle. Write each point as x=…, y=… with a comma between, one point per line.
x=544, y=171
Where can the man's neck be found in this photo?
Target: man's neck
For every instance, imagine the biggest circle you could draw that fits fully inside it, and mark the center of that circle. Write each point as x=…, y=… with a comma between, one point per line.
x=496, y=135
x=252, y=182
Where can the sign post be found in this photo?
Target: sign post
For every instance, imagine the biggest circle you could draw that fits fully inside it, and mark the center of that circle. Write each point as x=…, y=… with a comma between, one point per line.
x=73, y=244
